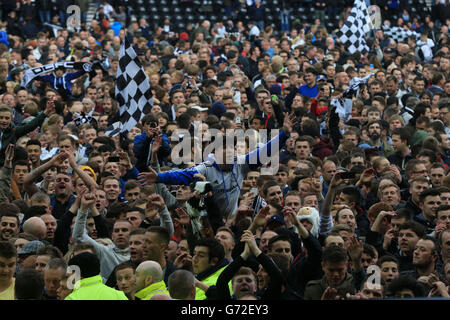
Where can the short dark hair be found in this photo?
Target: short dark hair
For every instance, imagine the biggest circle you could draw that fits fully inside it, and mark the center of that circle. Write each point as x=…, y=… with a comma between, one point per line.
x=216, y=249
x=124, y=265
x=427, y=193
x=12, y=215
x=180, y=284
x=353, y=193
x=402, y=133
x=387, y=258
x=49, y=250
x=29, y=285
x=7, y=250
x=334, y=254
x=280, y=237
x=269, y=184
x=405, y=282
x=416, y=227
x=88, y=263
x=33, y=142
x=163, y=234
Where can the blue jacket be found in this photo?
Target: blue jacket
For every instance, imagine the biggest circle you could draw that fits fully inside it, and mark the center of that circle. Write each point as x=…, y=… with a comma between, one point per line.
x=61, y=83
x=141, y=149
x=226, y=184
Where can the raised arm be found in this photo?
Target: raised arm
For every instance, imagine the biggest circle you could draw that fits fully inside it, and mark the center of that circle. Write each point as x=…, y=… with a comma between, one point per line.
x=156, y=201
x=161, y=188
x=30, y=178
x=5, y=174
x=87, y=179
x=79, y=229
x=253, y=158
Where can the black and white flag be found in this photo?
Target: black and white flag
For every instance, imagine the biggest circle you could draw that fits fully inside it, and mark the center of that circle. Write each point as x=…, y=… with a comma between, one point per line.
x=399, y=34
x=132, y=91
x=353, y=32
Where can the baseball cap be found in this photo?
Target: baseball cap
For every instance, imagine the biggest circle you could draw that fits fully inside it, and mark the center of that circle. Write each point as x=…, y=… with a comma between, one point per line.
x=276, y=219
x=388, y=50
x=220, y=60
x=275, y=89
x=321, y=77
x=31, y=247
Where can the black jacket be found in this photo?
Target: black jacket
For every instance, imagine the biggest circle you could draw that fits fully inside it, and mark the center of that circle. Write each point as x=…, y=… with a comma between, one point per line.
x=306, y=268
x=273, y=290
x=12, y=133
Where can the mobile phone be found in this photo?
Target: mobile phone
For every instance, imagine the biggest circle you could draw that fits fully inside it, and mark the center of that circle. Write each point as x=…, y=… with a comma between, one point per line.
x=10, y=150
x=274, y=98
x=238, y=119
x=254, y=191
x=113, y=159
x=347, y=175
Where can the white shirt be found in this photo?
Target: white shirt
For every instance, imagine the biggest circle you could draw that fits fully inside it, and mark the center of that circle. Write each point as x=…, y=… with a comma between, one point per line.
x=254, y=31
x=46, y=154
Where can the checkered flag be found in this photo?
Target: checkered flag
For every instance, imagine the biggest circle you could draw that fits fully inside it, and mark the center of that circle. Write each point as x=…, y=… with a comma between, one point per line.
x=399, y=34
x=352, y=33
x=132, y=91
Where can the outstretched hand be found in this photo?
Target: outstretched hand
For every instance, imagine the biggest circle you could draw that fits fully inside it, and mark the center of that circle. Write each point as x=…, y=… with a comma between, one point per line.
x=148, y=177
x=289, y=122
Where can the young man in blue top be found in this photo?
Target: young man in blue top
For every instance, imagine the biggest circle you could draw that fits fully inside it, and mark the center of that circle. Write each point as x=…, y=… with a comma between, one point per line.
x=60, y=80
x=310, y=88
x=226, y=177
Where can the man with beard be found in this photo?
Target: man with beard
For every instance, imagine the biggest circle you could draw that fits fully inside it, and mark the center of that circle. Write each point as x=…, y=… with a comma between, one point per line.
x=109, y=256
x=137, y=239
x=34, y=153
x=9, y=226
x=374, y=132
x=273, y=195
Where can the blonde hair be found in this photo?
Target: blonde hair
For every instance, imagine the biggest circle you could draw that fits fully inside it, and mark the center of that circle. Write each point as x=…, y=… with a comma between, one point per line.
x=31, y=107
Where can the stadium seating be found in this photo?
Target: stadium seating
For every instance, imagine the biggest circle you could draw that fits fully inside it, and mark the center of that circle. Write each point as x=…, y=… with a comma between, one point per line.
x=180, y=13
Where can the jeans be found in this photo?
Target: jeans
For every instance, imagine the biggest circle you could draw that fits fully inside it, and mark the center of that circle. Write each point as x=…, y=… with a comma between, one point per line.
x=284, y=16
x=63, y=17
x=260, y=25
x=44, y=15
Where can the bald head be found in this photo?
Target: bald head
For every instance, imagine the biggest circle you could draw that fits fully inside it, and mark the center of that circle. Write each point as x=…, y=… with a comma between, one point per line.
x=182, y=285
x=36, y=227
x=160, y=296
x=150, y=268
